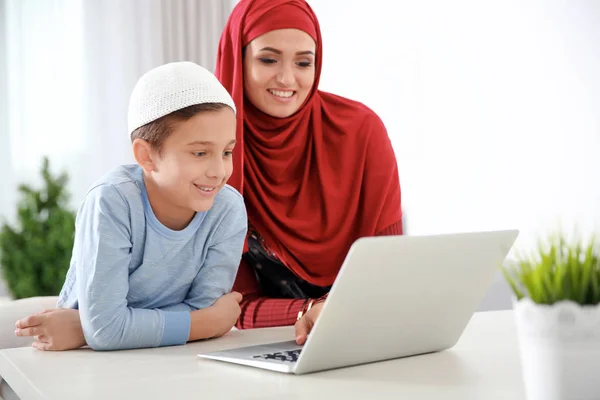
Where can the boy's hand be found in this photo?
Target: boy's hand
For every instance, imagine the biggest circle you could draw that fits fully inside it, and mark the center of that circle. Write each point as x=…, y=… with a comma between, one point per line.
x=57, y=329
x=225, y=312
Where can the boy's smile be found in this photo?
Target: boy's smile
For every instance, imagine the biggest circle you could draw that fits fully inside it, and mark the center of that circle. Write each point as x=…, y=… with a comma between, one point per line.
x=206, y=190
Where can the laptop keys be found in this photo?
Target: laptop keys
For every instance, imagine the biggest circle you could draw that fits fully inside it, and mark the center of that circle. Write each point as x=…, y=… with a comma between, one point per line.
x=283, y=356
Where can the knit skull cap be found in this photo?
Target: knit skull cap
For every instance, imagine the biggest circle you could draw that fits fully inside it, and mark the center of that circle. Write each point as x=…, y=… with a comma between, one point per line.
x=171, y=87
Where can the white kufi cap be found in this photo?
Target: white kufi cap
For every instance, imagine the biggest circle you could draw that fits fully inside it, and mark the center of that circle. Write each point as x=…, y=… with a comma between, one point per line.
x=171, y=87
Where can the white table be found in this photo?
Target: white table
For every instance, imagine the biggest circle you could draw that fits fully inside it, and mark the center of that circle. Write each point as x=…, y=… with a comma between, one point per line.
x=483, y=365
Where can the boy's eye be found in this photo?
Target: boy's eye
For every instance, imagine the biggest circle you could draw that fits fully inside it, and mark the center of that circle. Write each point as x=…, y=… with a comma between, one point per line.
x=199, y=154
x=228, y=153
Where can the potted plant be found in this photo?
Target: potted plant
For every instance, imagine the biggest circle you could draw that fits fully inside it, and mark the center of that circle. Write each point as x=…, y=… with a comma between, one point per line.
x=35, y=254
x=557, y=311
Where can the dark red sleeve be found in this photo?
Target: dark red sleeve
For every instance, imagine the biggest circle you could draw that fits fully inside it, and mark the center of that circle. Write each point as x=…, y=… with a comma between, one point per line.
x=262, y=312
x=392, y=230
x=259, y=311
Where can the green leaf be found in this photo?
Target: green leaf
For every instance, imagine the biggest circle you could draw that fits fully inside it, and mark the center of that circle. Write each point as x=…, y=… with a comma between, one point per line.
x=35, y=252
x=557, y=270
x=518, y=293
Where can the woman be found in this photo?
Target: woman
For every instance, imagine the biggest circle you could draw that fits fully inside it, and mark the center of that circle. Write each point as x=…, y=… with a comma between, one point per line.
x=317, y=170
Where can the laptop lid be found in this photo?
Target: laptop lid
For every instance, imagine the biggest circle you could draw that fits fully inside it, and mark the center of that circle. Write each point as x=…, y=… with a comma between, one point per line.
x=397, y=296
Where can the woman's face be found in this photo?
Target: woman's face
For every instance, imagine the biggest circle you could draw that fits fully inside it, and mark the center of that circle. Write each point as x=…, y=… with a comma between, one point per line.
x=279, y=71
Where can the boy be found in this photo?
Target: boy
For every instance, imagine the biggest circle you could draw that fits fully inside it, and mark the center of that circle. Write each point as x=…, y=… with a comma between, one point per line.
x=158, y=243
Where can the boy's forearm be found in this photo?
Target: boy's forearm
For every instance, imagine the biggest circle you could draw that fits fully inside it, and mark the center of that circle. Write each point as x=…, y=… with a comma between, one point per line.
x=202, y=326
x=178, y=307
x=132, y=328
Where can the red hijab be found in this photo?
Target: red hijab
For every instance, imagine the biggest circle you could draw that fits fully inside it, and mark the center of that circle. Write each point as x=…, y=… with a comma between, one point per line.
x=318, y=180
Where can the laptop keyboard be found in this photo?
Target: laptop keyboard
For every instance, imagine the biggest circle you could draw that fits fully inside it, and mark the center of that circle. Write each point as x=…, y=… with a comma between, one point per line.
x=283, y=356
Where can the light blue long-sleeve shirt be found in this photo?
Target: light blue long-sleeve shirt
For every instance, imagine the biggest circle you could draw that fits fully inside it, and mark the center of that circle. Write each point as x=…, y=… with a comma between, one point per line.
x=136, y=281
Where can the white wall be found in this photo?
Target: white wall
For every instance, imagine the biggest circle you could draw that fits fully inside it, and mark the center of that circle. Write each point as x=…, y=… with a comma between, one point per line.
x=493, y=107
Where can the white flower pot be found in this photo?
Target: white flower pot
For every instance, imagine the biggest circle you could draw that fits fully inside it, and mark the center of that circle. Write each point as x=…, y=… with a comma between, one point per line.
x=560, y=350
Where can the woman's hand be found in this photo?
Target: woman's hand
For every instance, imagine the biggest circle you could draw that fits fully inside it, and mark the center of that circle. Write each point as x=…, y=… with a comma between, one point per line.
x=56, y=329
x=305, y=324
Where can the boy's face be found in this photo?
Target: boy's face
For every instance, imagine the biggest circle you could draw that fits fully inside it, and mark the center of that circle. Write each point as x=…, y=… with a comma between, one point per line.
x=196, y=160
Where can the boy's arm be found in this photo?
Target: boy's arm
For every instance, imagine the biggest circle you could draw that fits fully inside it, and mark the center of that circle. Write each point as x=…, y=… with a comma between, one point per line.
x=209, y=288
x=216, y=276
x=102, y=253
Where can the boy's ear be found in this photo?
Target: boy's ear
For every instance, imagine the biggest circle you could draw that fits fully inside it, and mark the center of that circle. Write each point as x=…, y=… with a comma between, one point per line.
x=144, y=154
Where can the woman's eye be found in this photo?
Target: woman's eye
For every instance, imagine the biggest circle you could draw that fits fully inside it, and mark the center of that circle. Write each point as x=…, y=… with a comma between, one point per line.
x=305, y=64
x=267, y=60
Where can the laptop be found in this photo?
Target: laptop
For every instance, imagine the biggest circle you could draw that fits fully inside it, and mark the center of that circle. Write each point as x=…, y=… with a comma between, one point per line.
x=395, y=296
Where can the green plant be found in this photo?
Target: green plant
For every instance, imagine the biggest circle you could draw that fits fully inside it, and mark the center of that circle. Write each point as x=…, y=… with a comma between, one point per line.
x=35, y=254
x=556, y=271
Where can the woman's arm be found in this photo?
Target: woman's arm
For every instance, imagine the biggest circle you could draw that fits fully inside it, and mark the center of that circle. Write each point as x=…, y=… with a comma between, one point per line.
x=259, y=311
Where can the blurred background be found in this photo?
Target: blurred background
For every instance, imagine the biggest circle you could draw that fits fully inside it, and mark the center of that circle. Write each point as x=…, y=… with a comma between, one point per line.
x=493, y=108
